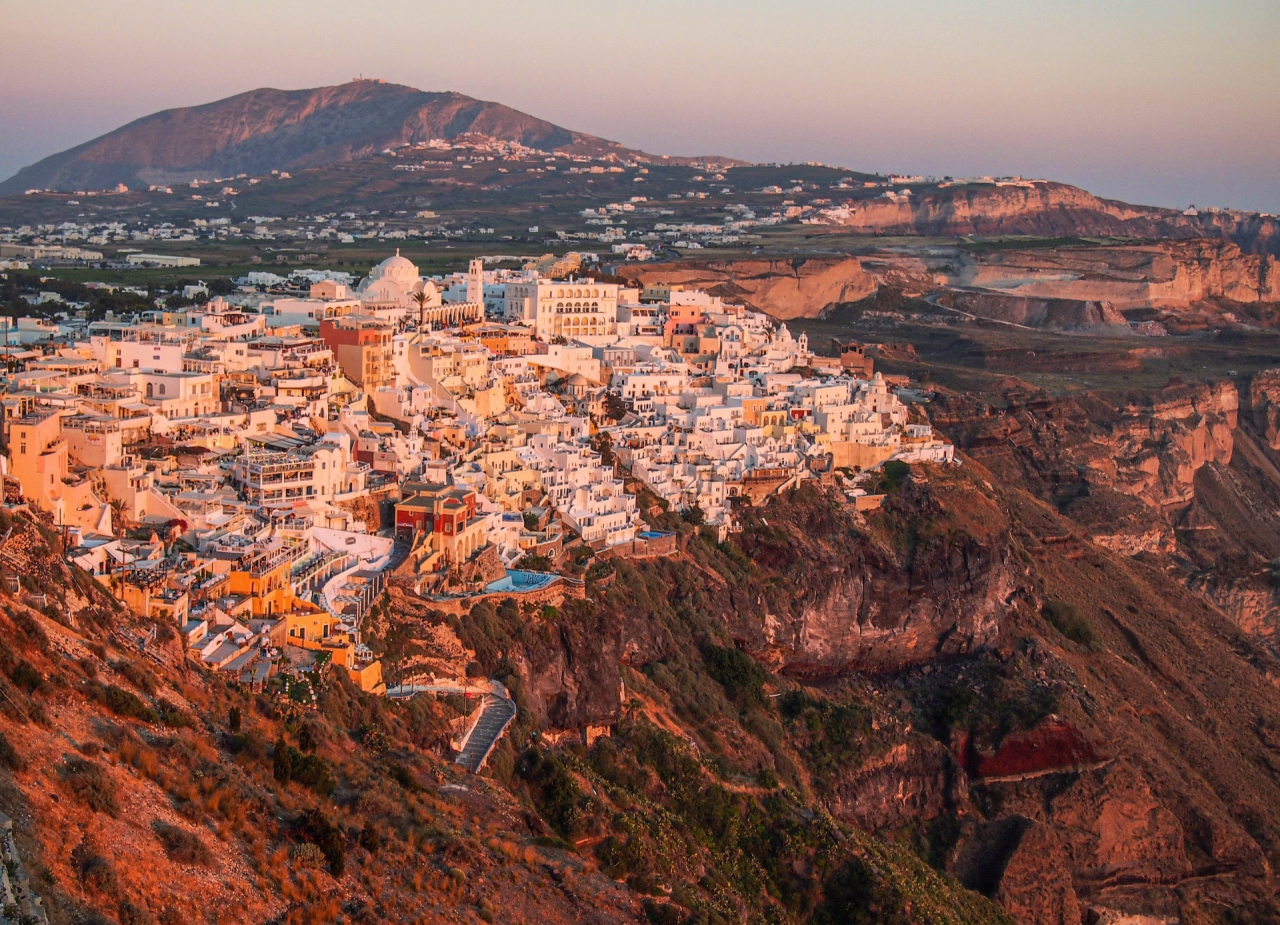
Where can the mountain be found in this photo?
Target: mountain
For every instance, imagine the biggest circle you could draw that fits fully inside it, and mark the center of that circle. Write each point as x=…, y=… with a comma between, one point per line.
x=264, y=130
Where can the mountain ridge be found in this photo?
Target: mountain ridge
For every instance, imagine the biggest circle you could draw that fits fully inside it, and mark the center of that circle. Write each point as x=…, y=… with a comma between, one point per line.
x=268, y=129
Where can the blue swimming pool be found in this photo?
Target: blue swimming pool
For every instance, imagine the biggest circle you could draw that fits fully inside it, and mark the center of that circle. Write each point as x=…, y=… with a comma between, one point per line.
x=519, y=581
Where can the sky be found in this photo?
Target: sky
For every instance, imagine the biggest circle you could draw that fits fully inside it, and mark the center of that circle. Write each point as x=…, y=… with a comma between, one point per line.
x=1157, y=102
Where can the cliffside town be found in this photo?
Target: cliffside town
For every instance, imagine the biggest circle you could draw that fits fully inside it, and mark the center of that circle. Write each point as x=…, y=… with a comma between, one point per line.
x=254, y=469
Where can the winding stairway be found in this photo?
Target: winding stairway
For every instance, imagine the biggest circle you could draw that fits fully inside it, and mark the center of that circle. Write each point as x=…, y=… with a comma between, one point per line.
x=497, y=710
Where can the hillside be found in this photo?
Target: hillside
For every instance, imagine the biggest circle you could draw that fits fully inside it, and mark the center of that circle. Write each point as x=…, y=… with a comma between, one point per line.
x=959, y=704
x=263, y=130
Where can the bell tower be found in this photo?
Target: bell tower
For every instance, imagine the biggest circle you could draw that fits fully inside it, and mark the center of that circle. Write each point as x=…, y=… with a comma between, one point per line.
x=475, y=282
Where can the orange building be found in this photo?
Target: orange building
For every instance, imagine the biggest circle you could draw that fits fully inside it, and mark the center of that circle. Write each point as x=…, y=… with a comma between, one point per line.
x=362, y=347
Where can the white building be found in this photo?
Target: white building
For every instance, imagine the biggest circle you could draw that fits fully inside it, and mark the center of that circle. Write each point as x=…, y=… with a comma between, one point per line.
x=573, y=308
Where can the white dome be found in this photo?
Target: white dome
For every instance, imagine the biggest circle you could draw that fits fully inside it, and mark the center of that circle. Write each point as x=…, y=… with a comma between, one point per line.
x=397, y=268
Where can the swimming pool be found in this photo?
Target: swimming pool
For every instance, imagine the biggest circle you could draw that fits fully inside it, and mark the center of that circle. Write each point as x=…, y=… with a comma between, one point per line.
x=519, y=581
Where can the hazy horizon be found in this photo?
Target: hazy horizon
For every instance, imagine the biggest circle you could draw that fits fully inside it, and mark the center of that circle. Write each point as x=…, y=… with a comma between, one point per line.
x=1160, y=103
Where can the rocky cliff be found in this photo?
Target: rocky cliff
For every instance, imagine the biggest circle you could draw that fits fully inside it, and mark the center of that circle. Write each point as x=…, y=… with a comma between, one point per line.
x=1072, y=288
x=1051, y=210
x=1124, y=466
x=800, y=288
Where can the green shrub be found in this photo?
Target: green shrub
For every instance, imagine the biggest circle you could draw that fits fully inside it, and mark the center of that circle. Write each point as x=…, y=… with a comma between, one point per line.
x=24, y=676
x=171, y=716
x=316, y=828
x=736, y=671
x=9, y=756
x=138, y=676
x=560, y=802
x=311, y=771
x=123, y=703
x=182, y=846
x=404, y=777
x=894, y=474
x=88, y=782
x=133, y=914
x=1067, y=620
x=95, y=873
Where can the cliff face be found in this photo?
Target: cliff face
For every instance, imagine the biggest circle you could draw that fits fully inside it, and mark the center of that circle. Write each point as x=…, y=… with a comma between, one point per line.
x=1050, y=210
x=782, y=288
x=1123, y=466
x=933, y=582
x=1171, y=273
x=1060, y=288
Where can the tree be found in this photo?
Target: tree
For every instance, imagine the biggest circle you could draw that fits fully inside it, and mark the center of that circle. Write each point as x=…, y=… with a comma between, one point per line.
x=421, y=299
x=604, y=446
x=614, y=406
x=282, y=766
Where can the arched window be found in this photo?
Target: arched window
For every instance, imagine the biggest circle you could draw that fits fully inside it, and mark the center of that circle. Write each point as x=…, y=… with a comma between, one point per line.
x=595, y=306
x=150, y=390
x=162, y=388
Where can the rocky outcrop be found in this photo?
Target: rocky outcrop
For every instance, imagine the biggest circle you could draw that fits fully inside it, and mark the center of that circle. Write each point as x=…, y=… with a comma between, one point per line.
x=1024, y=866
x=1264, y=404
x=1049, y=314
x=914, y=780
x=932, y=578
x=1052, y=745
x=1170, y=273
x=1105, y=827
x=1051, y=210
x=800, y=288
x=1144, y=447
x=1080, y=289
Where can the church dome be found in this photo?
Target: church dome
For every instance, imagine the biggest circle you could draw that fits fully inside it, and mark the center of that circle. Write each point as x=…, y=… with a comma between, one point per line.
x=400, y=269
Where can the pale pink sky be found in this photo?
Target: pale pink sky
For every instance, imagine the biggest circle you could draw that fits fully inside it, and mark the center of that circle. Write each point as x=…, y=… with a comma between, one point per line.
x=1167, y=102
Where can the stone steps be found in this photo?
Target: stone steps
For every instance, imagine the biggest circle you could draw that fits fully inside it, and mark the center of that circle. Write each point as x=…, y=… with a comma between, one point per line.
x=496, y=715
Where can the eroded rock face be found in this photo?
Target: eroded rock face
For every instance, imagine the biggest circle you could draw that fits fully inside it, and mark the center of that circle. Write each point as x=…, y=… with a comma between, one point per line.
x=1024, y=866
x=1071, y=840
x=1048, y=209
x=1148, y=448
x=915, y=780
x=933, y=579
x=1264, y=400
x=782, y=288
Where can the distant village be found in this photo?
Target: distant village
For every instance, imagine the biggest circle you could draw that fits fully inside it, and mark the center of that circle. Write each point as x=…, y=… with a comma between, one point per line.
x=253, y=470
